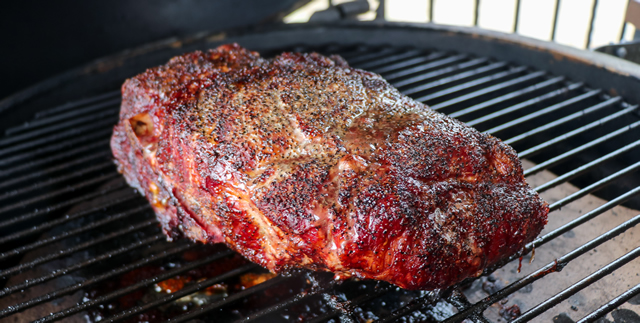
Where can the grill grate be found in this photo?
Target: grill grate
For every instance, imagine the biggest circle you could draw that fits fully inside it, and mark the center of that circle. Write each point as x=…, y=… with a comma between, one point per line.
x=61, y=159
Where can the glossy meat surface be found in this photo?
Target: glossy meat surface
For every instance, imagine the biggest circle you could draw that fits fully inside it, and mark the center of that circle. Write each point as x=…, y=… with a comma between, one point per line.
x=302, y=161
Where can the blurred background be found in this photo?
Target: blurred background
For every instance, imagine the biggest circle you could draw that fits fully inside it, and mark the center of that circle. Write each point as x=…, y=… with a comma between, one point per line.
x=53, y=37
x=533, y=18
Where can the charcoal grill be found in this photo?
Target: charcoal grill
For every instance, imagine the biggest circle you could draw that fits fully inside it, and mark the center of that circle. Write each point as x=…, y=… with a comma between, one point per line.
x=76, y=243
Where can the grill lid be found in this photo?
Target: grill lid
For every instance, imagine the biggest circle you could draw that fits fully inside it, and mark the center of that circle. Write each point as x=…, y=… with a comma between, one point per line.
x=75, y=240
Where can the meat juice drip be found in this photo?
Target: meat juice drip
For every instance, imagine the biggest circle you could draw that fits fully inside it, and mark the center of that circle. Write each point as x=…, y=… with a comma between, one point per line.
x=519, y=264
x=556, y=267
x=533, y=255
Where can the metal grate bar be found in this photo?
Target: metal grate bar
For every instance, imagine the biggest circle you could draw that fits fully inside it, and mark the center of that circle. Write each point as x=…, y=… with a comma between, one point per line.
x=71, y=188
x=525, y=104
x=582, y=284
x=506, y=97
x=455, y=298
x=560, y=158
x=36, y=213
x=75, y=104
x=348, y=51
x=567, y=176
x=538, y=148
x=595, y=186
x=64, y=271
x=68, y=251
x=566, y=119
x=291, y=301
x=369, y=56
x=71, y=233
x=52, y=158
x=582, y=219
x=557, y=265
x=44, y=172
x=31, y=125
x=67, y=218
x=408, y=63
x=380, y=62
x=487, y=90
x=425, y=67
x=359, y=51
x=469, y=84
x=131, y=288
x=315, y=290
x=458, y=77
x=356, y=301
x=611, y=305
x=414, y=305
x=460, y=301
x=252, y=290
x=56, y=128
x=56, y=180
x=390, y=59
x=181, y=293
x=93, y=280
x=60, y=191
x=544, y=111
x=90, y=136
x=58, y=136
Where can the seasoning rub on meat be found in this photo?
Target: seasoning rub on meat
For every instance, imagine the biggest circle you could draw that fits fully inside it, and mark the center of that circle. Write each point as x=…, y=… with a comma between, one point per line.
x=303, y=161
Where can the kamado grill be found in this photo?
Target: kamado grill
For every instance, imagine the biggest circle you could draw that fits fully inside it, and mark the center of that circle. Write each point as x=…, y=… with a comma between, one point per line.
x=76, y=243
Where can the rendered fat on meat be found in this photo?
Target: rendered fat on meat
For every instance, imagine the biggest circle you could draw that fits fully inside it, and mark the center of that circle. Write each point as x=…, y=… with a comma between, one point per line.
x=301, y=161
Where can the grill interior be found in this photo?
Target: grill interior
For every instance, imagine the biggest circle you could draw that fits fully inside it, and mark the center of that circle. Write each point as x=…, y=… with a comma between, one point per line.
x=77, y=243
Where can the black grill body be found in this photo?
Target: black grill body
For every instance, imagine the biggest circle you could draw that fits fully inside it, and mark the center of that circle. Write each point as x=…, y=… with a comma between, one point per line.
x=77, y=243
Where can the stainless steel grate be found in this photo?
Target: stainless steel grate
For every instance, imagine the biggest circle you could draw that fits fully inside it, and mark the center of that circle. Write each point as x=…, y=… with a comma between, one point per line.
x=69, y=225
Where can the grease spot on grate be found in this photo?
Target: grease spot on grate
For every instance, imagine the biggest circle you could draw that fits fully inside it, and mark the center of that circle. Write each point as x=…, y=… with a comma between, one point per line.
x=635, y=300
x=625, y=316
x=563, y=318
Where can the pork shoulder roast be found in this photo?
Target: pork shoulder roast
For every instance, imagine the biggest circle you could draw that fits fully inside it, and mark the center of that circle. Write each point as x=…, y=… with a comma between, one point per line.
x=301, y=161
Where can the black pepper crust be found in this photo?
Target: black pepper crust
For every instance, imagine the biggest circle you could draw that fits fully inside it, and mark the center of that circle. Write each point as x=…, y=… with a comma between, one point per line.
x=303, y=161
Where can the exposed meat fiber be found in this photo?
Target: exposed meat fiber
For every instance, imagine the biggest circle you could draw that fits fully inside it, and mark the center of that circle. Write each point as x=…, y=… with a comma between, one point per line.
x=303, y=161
